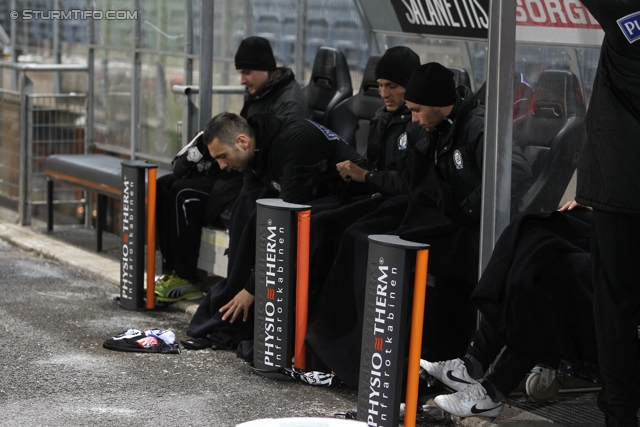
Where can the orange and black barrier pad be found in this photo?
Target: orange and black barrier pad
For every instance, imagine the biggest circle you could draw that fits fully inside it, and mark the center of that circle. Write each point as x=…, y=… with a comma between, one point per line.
x=302, y=288
x=277, y=238
x=385, y=329
x=134, y=218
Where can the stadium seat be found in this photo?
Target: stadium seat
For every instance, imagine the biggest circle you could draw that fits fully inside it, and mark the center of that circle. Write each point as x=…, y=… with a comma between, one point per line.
x=551, y=137
x=350, y=119
x=461, y=77
x=330, y=83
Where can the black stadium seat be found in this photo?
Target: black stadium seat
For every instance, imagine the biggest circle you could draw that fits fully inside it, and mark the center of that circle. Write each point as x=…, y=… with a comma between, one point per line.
x=330, y=83
x=461, y=77
x=551, y=137
x=350, y=119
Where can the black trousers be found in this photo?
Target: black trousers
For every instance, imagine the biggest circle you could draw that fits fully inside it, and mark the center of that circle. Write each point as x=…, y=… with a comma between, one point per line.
x=615, y=254
x=510, y=368
x=180, y=208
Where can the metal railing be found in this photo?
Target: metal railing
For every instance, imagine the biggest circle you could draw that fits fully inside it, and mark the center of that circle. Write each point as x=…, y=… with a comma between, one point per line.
x=190, y=116
x=34, y=126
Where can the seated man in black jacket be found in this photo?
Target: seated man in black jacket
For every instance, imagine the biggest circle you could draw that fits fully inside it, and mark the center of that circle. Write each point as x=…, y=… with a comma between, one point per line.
x=391, y=137
x=293, y=160
x=443, y=177
x=198, y=191
x=391, y=132
x=536, y=298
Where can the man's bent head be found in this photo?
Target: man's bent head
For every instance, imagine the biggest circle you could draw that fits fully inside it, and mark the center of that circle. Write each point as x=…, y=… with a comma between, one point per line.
x=230, y=141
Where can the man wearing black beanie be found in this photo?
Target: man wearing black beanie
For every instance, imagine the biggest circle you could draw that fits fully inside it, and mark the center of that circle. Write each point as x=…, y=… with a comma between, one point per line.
x=443, y=179
x=391, y=135
x=198, y=191
x=269, y=88
x=391, y=132
x=454, y=119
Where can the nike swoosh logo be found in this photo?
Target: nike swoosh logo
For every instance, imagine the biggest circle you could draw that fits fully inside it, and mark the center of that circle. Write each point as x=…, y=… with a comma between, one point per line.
x=456, y=379
x=475, y=410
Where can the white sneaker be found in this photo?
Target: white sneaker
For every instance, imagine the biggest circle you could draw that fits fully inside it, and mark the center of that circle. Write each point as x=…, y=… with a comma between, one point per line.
x=470, y=402
x=451, y=373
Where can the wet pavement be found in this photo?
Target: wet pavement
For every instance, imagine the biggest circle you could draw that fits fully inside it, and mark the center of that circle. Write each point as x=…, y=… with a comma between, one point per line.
x=59, y=306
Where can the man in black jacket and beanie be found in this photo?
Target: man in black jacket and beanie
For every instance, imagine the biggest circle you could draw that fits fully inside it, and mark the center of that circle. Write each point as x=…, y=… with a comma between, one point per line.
x=391, y=137
x=609, y=181
x=391, y=132
x=443, y=179
x=198, y=191
x=293, y=160
x=335, y=334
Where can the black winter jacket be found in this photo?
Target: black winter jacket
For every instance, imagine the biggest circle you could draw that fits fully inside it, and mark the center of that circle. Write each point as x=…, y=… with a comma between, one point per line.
x=283, y=96
x=608, y=172
x=297, y=158
x=391, y=136
x=456, y=147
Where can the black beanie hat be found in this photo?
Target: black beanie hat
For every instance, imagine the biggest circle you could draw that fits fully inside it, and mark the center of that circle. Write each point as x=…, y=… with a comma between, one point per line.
x=431, y=84
x=397, y=65
x=254, y=53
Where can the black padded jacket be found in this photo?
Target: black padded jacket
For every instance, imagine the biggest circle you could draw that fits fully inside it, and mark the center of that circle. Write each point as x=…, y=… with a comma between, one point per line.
x=297, y=158
x=391, y=136
x=608, y=172
x=283, y=97
x=456, y=147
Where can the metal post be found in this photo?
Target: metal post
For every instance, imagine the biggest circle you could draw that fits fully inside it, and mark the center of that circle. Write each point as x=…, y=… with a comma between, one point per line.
x=206, y=62
x=57, y=55
x=91, y=55
x=135, y=84
x=190, y=111
x=301, y=45
x=88, y=131
x=26, y=89
x=496, y=191
x=14, y=48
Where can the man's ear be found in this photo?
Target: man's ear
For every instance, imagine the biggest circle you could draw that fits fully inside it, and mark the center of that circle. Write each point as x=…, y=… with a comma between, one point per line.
x=242, y=141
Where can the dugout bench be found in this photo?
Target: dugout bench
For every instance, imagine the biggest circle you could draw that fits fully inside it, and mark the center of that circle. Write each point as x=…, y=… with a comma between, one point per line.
x=102, y=174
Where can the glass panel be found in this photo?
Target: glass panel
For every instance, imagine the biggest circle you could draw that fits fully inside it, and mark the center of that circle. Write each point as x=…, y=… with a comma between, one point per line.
x=163, y=26
x=115, y=32
x=229, y=29
x=112, y=98
x=160, y=109
x=551, y=89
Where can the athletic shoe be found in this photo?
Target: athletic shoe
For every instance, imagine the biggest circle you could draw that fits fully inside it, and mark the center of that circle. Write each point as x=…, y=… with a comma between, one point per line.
x=451, y=373
x=473, y=401
x=176, y=289
x=162, y=278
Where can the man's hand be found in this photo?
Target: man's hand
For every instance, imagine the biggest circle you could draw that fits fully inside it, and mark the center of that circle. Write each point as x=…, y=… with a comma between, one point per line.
x=569, y=206
x=349, y=171
x=238, y=304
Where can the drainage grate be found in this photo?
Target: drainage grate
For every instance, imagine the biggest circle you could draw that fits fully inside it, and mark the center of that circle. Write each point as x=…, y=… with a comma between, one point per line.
x=568, y=409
